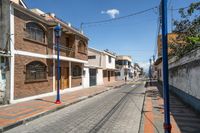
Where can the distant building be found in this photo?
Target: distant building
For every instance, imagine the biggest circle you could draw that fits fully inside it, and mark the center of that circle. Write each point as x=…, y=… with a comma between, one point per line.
x=125, y=68
x=138, y=71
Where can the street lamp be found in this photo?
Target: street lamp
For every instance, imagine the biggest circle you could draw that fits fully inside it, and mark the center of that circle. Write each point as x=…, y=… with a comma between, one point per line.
x=57, y=30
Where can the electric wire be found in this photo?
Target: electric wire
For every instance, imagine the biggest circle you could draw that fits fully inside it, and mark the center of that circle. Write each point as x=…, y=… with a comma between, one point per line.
x=118, y=18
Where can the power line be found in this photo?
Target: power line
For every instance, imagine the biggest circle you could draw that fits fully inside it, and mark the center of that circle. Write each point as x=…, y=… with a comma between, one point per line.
x=118, y=18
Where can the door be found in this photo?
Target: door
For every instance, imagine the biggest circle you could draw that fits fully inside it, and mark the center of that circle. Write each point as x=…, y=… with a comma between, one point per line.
x=2, y=77
x=93, y=77
x=64, y=78
x=109, y=76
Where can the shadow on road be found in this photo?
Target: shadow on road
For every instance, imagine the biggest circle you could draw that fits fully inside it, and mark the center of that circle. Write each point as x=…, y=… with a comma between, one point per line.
x=187, y=120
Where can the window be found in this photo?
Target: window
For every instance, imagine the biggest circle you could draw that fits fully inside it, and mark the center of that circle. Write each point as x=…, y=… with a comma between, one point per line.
x=36, y=71
x=92, y=57
x=76, y=71
x=109, y=59
x=117, y=74
x=82, y=47
x=35, y=32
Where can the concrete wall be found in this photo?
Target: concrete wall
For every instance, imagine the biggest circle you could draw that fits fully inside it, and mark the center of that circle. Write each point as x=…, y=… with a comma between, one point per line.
x=4, y=21
x=99, y=76
x=110, y=65
x=86, y=78
x=184, y=78
x=97, y=61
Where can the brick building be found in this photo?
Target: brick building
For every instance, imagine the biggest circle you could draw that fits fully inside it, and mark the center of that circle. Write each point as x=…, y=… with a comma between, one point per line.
x=33, y=54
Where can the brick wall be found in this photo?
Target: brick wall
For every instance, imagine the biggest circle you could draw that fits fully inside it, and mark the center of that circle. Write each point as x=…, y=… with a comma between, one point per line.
x=25, y=89
x=21, y=42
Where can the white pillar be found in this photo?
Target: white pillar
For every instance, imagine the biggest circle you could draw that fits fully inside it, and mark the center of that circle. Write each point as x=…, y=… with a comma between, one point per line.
x=12, y=59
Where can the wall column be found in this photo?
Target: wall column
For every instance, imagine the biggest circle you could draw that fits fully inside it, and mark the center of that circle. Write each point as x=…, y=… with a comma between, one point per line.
x=12, y=59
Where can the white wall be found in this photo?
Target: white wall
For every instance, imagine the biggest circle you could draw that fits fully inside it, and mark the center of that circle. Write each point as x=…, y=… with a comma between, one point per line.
x=86, y=78
x=109, y=65
x=99, y=76
x=95, y=62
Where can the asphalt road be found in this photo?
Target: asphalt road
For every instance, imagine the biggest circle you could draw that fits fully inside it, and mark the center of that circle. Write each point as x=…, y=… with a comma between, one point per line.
x=115, y=111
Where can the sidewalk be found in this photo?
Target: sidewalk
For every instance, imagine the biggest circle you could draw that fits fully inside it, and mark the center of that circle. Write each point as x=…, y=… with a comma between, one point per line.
x=183, y=118
x=20, y=113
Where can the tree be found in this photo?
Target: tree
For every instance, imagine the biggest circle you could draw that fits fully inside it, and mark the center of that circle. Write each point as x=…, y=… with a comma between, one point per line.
x=188, y=30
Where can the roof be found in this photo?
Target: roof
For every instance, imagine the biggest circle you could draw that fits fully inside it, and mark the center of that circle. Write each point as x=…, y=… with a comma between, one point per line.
x=124, y=57
x=158, y=61
x=47, y=19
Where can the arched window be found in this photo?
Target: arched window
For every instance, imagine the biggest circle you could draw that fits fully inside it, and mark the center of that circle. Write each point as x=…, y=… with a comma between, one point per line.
x=76, y=71
x=82, y=47
x=36, y=71
x=35, y=32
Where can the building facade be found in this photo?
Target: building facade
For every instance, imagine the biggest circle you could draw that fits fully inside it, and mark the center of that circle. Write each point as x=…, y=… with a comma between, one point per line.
x=124, y=66
x=93, y=70
x=33, y=54
x=109, y=68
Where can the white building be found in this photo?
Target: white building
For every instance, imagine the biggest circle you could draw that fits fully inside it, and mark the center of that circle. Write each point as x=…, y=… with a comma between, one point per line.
x=93, y=70
x=100, y=68
x=125, y=68
x=137, y=71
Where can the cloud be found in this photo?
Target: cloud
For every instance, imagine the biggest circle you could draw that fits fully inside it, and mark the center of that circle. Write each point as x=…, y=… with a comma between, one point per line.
x=111, y=12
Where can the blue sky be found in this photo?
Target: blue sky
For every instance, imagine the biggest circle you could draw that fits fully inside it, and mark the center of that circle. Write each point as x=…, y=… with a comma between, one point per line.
x=135, y=36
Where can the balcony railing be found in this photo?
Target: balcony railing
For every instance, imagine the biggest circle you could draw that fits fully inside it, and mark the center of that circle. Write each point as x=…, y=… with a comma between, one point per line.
x=69, y=52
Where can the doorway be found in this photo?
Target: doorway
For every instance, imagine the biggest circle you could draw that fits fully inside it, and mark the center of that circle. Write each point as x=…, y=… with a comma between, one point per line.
x=93, y=77
x=64, y=78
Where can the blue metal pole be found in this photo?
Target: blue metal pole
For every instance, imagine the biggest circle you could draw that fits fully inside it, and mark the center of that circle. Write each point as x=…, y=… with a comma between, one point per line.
x=167, y=124
x=57, y=37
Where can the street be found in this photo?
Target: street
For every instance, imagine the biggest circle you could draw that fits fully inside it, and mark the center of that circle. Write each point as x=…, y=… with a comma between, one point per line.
x=115, y=111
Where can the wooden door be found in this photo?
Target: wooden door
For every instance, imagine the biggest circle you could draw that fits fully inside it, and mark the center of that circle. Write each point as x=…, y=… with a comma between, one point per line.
x=64, y=78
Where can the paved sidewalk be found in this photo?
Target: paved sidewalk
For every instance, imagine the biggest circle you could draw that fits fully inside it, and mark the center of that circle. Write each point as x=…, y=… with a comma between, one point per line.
x=183, y=118
x=17, y=114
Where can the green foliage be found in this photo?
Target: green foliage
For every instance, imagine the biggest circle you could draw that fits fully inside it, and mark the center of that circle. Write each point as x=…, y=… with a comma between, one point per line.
x=188, y=30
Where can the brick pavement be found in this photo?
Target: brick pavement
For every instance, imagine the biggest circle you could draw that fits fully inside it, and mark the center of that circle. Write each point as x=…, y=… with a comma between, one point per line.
x=17, y=114
x=183, y=118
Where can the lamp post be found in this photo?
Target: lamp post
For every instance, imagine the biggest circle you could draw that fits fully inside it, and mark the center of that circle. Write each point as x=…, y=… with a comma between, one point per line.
x=167, y=124
x=57, y=30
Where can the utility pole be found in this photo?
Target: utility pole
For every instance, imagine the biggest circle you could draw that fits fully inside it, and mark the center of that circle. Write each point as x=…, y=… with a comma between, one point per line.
x=167, y=124
x=150, y=75
x=57, y=30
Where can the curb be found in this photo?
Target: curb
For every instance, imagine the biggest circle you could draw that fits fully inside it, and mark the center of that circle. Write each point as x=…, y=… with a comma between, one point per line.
x=26, y=120
x=142, y=111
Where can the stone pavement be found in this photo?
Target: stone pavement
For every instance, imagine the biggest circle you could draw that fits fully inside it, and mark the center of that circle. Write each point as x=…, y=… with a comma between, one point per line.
x=183, y=118
x=20, y=113
x=115, y=111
